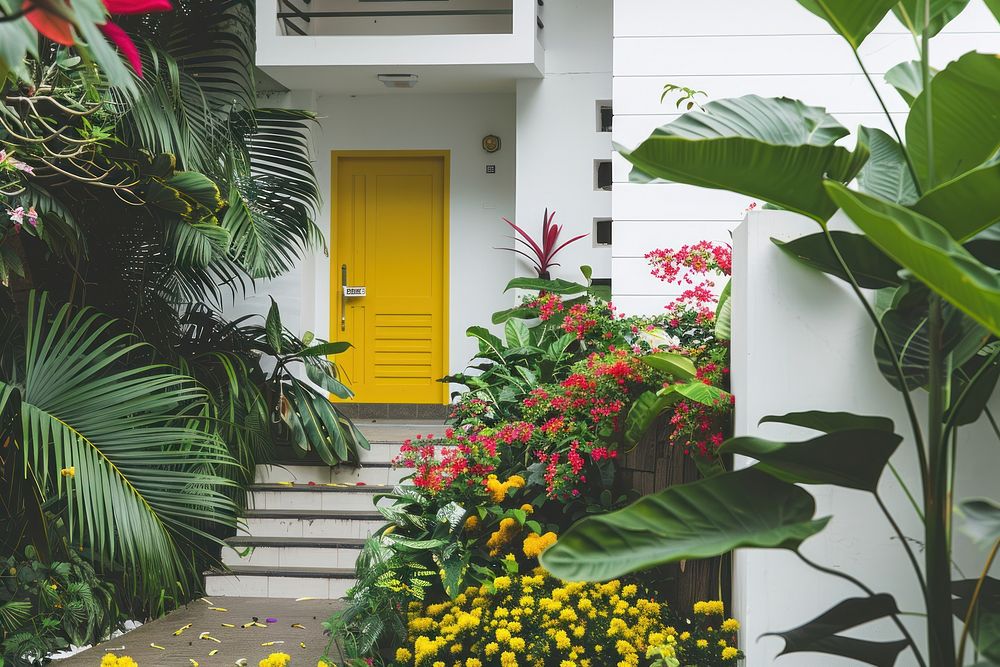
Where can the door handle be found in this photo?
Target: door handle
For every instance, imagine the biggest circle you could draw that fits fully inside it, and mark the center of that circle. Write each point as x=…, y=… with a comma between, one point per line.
x=343, y=297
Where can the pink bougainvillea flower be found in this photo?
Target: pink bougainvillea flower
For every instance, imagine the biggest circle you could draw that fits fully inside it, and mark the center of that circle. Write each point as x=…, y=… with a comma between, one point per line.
x=60, y=30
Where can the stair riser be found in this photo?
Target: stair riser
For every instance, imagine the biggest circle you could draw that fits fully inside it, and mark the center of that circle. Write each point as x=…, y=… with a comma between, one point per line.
x=355, y=528
x=294, y=557
x=313, y=500
x=277, y=587
x=324, y=474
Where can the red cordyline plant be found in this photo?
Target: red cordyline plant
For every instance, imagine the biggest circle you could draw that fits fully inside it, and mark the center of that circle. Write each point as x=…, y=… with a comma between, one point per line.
x=542, y=253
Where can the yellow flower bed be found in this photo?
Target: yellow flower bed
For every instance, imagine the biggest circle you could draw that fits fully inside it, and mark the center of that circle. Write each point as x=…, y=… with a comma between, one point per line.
x=536, y=621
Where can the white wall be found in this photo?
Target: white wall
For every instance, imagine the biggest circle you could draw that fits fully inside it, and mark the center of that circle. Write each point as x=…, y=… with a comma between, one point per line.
x=730, y=48
x=802, y=342
x=557, y=132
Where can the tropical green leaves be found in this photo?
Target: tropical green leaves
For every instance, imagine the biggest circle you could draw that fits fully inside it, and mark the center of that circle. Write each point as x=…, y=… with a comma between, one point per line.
x=965, y=205
x=851, y=458
x=870, y=266
x=926, y=249
x=852, y=20
x=775, y=149
x=886, y=174
x=964, y=121
x=143, y=467
x=820, y=635
x=747, y=508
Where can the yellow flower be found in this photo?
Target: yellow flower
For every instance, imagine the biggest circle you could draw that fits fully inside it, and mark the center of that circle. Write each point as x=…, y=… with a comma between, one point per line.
x=473, y=662
x=515, y=481
x=403, y=655
x=527, y=507
x=730, y=625
x=710, y=608
x=70, y=472
x=535, y=544
x=729, y=653
x=472, y=523
x=702, y=643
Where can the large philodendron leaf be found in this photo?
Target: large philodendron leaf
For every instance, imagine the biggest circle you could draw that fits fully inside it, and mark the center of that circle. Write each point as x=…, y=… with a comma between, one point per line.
x=886, y=173
x=828, y=422
x=966, y=205
x=713, y=516
x=870, y=266
x=820, y=634
x=853, y=458
x=965, y=122
x=774, y=149
x=925, y=248
x=851, y=19
x=985, y=626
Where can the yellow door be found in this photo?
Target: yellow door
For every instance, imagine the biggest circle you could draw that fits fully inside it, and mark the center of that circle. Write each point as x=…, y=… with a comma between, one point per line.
x=390, y=222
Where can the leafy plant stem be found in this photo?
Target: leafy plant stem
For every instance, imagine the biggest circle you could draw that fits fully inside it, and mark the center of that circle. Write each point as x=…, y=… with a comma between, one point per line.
x=880, y=330
x=967, y=391
x=925, y=73
x=941, y=640
x=973, y=601
x=906, y=489
x=905, y=542
x=892, y=123
x=868, y=591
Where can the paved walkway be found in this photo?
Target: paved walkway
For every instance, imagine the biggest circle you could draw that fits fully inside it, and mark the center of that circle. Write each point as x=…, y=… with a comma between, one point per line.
x=305, y=645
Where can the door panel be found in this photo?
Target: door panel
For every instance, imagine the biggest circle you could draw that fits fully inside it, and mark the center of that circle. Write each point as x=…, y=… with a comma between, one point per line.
x=390, y=223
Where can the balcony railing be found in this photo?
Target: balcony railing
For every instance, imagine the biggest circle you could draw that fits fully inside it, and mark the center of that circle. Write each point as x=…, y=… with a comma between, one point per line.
x=396, y=17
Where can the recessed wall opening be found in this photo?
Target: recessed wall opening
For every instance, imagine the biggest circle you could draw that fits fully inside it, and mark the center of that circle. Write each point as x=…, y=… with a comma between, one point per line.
x=605, y=115
x=602, y=232
x=602, y=174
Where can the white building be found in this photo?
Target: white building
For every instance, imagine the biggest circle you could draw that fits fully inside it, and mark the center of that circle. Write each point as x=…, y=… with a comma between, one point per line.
x=537, y=74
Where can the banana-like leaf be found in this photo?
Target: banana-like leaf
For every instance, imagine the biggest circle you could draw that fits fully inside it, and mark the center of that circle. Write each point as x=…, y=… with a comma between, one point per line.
x=925, y=248
x=820, y=635
x=966, y=205
x=994, y=6
x=850, y=19
x=743, y=509
x=724, y=313
x=325, y=379
x=906, y=79
x=643, y=412
x=144, y=463
x=853, y=458
x=982, y=521
x=964, y=137
x=273, y=328
x=775, y=149
x=870, y=266
x=676, y=365
x=886, y=173
x=906, y=324
x=973, y=387
x=325, y=349
x=490, y=346
x=829, y=422
x=914, y=13
x=985, y=626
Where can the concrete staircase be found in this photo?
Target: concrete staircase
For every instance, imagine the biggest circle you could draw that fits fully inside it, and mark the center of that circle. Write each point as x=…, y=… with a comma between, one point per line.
x=303, y=539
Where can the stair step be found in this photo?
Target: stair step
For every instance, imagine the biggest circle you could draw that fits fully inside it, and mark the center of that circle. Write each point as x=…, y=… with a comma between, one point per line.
x=317, y=497
x=293, y=552
x=312, y=523
x=254, y=581
x=371, y=473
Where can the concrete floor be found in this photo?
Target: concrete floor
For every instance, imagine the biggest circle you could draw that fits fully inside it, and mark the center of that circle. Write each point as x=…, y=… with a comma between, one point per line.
x=234, y=643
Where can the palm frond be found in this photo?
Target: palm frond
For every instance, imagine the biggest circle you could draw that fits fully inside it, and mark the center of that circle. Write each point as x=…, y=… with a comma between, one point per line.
x=142, y=465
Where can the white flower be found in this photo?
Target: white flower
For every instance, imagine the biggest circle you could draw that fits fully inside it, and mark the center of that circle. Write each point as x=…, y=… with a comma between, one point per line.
x=659, y=338
x=17, y=215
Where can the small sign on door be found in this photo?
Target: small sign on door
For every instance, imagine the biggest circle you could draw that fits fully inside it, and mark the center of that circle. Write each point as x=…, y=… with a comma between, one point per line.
x=355, y=291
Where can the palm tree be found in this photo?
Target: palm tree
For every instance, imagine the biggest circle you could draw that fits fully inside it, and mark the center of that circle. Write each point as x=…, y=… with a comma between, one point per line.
x=131, y=412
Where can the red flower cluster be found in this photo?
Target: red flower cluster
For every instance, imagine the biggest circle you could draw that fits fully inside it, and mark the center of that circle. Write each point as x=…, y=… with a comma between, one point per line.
x=547, y=304
x=578, y=321
x=701, y=258
x=697, y=427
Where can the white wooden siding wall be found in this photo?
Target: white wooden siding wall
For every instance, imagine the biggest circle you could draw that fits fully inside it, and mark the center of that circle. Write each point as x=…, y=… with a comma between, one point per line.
x=730, y=48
